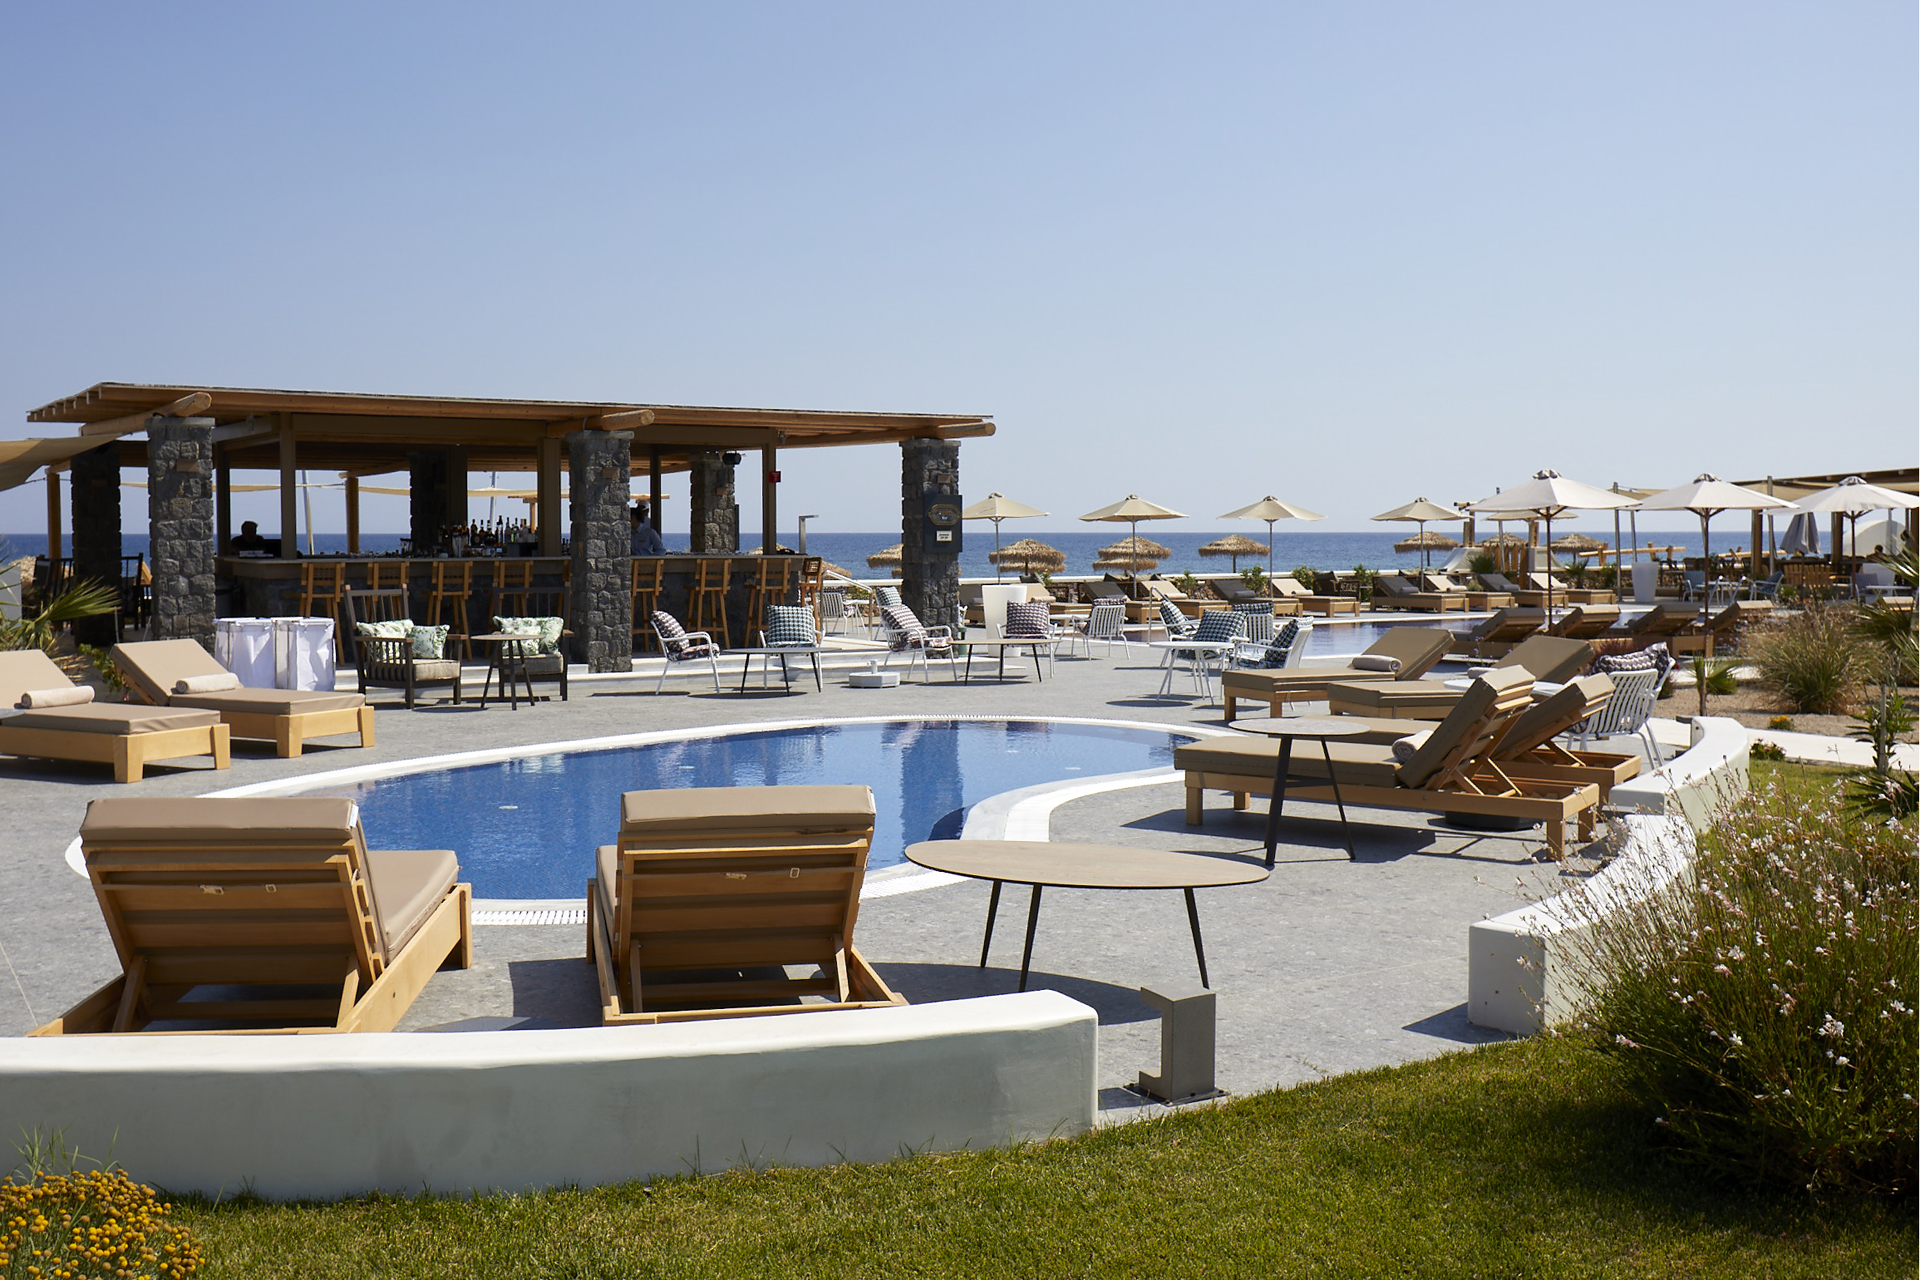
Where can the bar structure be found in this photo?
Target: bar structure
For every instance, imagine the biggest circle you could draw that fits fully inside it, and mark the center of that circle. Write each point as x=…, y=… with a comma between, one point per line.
x=189, y=440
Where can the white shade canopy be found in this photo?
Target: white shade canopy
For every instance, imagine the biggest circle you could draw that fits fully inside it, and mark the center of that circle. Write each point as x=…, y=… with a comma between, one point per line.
x=1547, y=495
x=1134, y=508
x=998, y=507
x=1707, y=494
x=1854, y=496
x=1420, y=510
x=1885, y=534
x=1271, y=509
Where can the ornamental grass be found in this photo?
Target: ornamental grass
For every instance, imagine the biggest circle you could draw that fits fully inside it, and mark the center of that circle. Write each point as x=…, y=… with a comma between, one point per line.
x=1813, y=661
x=97, y=1223
x=1763, y=1015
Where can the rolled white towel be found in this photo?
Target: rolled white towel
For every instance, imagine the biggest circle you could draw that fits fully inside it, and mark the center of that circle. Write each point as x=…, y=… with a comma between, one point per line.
x=1376, y=662
x=207, y=684
x=1404, y=748
x=71, y=695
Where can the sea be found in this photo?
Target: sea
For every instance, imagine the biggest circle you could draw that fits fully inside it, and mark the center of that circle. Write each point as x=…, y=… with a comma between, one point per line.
x=1316, y=550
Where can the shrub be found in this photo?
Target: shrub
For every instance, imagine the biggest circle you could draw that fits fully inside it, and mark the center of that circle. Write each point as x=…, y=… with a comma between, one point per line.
x=1255, y=578
x=1483, y=562
x=1811, y=661
x=1763, y=750
x=1303, y=574
x=1764, y=1013
x=1782, y=723
x=1717, y=675
x=97, y=1223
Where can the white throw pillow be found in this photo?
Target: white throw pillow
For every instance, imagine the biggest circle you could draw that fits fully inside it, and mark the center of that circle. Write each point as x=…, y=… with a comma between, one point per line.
x=207, y=684
x=1375, y=662
x=72, y=695
x=1404, y=748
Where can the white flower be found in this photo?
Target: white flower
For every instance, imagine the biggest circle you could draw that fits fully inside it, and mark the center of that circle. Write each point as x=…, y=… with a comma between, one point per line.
x=1736, y=1041
x=1833, y=1027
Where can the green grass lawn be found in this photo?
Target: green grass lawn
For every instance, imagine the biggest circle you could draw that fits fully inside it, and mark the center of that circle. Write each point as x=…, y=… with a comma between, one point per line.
x=1514, y=1160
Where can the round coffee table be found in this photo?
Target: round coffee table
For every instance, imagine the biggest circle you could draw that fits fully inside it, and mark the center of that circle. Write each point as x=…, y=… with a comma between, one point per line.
x=1288, y=728
x=1046, y=864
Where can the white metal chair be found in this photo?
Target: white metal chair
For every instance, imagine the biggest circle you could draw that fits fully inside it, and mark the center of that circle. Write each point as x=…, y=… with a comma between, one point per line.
x=1107, y=624
x=905, y=633
x=1629, y=711
x=679, y=645
x=1259, y=616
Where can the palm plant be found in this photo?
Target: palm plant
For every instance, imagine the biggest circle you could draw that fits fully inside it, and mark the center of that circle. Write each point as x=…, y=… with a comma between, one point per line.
x=41, y=628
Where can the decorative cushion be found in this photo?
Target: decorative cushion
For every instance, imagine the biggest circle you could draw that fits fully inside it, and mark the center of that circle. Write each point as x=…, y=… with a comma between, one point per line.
x=908, y=633
x=66, y=695
x=1177, y=622
x=673, y=639
x=1219, y=626
x=888, y=597
x=1028, y=620
x=1404, y=748
x=1375, y=662
x=790, y=624
x=668, y=627
x=397, y=629
x=546, y=632
x=207, y=684
x=429, y=642
x=1278, y=647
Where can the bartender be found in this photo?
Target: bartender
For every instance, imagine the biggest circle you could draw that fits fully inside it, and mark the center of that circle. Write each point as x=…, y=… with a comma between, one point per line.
x=248, y=539
x=646, y=539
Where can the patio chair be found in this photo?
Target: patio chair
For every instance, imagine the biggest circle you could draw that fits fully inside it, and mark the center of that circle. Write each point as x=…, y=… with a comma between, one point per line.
x=1628, y=711
x=44, y=715
x=712, y=892
x=906, y=634
x=1499, y=633
x=1178, y=625
x=1028, y=620
x=1259, y=616
x=1586, y=621
x=678, y=645
x=1288, y=587
x=1767, y=588
x=272, y=911
x=1278, y=652
x=1544, y=658
x=1450, y=772
x=1107, y=624
x=394, y=652
x=1403, y=653
x=1392, y=590
x=180, y=673
x=789, y=626
x=542, y=616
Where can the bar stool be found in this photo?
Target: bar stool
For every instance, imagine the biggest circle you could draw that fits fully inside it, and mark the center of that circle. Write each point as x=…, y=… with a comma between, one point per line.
x=322, y=587
x=813, y=580
x=772, y=579
x=649, y=572
x=707, y=610
x=388, y=574
x=452, y=584
x=511, y=584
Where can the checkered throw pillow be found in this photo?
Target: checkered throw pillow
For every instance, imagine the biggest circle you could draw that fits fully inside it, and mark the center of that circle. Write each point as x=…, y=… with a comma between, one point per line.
x=1277, y=648
x=790, y=624
x=1027, y=620
x=889, y=597
x=1219, y=626
x=906, y=630
x=1178, y=623
x=673, y=638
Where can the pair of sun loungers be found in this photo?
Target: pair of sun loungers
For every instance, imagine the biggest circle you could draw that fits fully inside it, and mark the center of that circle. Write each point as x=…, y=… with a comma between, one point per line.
x=266, y=914
x=1403, y=653
x=1553, y=659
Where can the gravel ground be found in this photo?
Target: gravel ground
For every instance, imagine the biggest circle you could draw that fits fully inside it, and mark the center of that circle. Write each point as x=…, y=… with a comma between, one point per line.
x=1754, y=708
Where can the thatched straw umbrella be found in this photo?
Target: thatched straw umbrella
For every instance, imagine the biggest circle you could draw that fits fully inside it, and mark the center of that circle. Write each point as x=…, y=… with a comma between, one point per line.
x=891, y=558
x=1029, y=556
x=1132, y=554
x=1236, y=545
x=1427, y=540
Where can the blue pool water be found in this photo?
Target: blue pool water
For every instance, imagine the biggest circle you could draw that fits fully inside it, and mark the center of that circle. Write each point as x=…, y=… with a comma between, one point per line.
x=527, y=828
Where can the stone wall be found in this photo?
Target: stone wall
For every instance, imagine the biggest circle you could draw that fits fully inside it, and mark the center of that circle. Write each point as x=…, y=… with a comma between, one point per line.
x=602, y=604
x=715, y=517
x=180, y=520
x=929, y=574
x=96, y=531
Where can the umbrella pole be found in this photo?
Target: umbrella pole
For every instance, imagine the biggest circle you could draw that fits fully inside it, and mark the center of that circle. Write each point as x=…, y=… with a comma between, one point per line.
x=1269, y=555
x=1528, y=575
x=996, y=548
x=1706, y=598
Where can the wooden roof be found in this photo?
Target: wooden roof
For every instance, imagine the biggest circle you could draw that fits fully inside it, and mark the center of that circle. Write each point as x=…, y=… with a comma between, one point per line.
x=1791, y=488
x=367, y=434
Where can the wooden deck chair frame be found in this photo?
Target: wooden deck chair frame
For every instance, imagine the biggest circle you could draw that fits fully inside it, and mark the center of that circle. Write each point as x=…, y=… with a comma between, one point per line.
x=254, y=908
x=288, y=731
x=129, y=753
x=718, y=894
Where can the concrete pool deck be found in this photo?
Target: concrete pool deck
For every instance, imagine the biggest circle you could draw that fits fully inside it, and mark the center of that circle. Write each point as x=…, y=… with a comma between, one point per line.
x=1327, y=967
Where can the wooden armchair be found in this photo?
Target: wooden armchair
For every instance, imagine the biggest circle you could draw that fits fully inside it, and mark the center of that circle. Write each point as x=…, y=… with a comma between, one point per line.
x=388, y=662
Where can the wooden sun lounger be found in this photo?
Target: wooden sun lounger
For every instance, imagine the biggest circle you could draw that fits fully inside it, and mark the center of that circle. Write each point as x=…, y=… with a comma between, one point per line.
x=1724, y=627
x=285, y=717
x=712, y=891
x=128, y=738
x=1477, y=600
x=1586, y=622
x=1452, y=772
x=1499, y=633
x=1553, y=659
x=1662, y=622
x=1572, y=594
x=1396, y=592
x=1415, y=648
x=1289, y=588
x=272, y=911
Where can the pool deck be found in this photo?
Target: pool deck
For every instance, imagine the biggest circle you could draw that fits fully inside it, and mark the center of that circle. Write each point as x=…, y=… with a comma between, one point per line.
x=1327, y=967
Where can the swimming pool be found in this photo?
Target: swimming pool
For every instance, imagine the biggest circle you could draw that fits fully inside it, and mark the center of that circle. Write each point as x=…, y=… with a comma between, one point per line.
x=527, y=827
x=1329, y=637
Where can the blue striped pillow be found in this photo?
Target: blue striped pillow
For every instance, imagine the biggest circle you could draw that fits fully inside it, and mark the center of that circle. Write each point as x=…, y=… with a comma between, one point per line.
x=790, y=624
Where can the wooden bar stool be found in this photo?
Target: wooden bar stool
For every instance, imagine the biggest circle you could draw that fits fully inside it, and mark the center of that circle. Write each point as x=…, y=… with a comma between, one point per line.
x=649, y=572
x=452, y=585
x=772, y=579
x=813, y=580
x=512, y=582
x=707, y=610
x=322, y=587
x=388, y=574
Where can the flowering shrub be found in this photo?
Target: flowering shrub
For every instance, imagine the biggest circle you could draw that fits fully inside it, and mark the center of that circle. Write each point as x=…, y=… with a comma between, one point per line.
x=1765, y=1013
x=99, y=1223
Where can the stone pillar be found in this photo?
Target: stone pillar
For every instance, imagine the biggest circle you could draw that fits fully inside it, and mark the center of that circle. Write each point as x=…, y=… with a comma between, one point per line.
x=715, y=527
x=929, y=572
x=427, y=500
x=602, y=604
x=180, y=519
x=96, y=532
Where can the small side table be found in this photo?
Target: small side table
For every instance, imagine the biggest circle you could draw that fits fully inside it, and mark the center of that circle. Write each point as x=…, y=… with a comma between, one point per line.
x=767, y=653
x=1287, y=729
x=508, y=656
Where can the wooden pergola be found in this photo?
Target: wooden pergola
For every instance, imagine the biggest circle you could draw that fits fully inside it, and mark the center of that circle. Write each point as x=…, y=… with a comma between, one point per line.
x=358, y=435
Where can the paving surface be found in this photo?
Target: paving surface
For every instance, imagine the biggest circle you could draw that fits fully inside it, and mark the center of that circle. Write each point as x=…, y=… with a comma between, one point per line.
x=1328, y=966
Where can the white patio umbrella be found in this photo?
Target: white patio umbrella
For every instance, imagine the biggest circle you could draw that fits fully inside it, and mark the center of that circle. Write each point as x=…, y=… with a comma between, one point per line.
x=1885, y=534
x=1854, y=497
x=1707, y=496
x=1419, y=511
x=1547, y=495
x=1272, y=510
x=1131, y=510
x=997, y=507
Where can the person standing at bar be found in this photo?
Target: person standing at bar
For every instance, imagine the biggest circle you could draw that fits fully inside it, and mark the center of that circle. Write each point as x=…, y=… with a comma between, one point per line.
x=646, y=539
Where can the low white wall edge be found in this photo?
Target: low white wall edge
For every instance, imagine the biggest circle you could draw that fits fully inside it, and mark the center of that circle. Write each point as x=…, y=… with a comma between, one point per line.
x=1519, y=965
x=324, y=1116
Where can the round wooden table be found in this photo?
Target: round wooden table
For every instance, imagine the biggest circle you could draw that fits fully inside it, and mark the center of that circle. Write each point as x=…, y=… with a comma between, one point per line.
x=1046, y=864
x=1287, y=728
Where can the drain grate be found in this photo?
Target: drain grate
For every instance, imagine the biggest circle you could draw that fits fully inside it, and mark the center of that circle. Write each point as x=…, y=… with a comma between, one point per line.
x=538, y=915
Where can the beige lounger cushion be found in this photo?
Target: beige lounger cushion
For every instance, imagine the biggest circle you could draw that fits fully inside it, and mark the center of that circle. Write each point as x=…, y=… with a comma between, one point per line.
x=1445, y=737
x=406, y=885
x=270, y=702
x=1555, y=659
x=1400, y=694
x=154, y=667
x=179, y=820
x=1550, y=716
x=707, y=809
x=1362, y=765
x=104, y=718
x=26, y=670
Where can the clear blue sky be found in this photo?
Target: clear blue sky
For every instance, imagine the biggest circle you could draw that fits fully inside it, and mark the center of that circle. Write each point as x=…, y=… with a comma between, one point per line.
x=1346, y=254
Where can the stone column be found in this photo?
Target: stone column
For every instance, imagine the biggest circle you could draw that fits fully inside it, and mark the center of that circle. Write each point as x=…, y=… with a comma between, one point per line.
x=715, y=516
x=180, y=519
x=426, y=499
x=602, y=604
x=96, y=532
x=929, y=572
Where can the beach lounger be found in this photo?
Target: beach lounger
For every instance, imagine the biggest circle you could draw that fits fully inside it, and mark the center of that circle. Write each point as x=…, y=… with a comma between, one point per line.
x=1499, y=633
x=1586, y=621
x=1528, y=596
x=1725, y=627
x=712, y=892
x=1393, y=591
x=1288, y=587
x=264, y=914
x=1573, y=595
x=1552, y=659
x=1476, y=599
x=128, y=738
x=1451, y=772
x=1403, y=653
x=162, y=672
x=1662, y=622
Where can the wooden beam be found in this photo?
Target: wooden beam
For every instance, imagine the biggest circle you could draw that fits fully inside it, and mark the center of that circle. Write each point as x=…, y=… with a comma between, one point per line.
x=53, y=515
x=546, y=511
x=353, y=514
x=222, y=501
x=622, y=421
x=653, y=487
x=769, y=501
x=185, y=407
x=289, y=493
